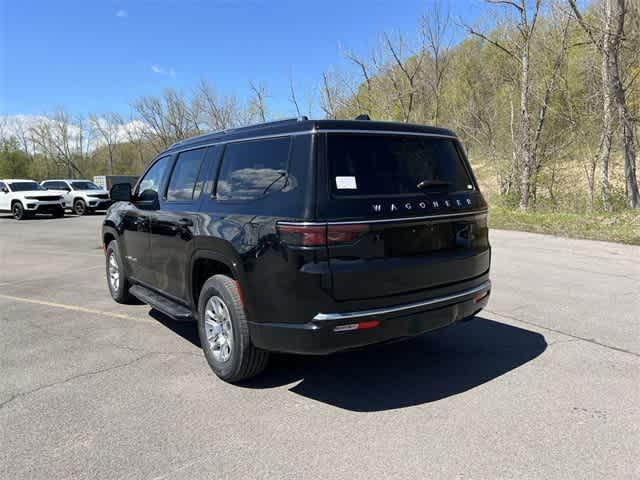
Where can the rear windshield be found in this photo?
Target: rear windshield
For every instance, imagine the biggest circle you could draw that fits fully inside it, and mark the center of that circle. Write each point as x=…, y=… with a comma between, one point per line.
x=379, y=165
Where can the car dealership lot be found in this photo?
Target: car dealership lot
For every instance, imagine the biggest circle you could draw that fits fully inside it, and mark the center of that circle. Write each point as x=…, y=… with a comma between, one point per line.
x=545, y=383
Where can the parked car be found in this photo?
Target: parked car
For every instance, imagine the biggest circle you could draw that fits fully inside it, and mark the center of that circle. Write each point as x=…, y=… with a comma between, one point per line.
x=303, y=236
x=26, y=198
x=107, y=181
x=81, y=196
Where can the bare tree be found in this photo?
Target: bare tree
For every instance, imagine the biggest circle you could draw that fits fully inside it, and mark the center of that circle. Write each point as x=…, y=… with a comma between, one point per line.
x=404, y=73
x=521, y=53
x=292, y=95
x=169, y=118
x=608, y=40
x=216, y=113
x=257, y=103
x=107, y=128
x=436, y=37
x=62, y=141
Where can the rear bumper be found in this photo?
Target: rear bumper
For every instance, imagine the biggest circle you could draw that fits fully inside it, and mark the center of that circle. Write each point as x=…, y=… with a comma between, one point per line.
x=320, y=337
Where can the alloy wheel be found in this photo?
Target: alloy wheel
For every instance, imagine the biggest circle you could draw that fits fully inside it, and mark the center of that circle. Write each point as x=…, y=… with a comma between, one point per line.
x=218, y=329
x=114, y=273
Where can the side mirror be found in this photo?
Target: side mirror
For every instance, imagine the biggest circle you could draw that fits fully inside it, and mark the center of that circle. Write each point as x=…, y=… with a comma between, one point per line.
x=5, y=190
x=121, y=192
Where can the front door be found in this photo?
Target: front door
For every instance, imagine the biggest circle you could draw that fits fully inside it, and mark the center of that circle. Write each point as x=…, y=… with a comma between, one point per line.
x=4, y=197
x=135, y=237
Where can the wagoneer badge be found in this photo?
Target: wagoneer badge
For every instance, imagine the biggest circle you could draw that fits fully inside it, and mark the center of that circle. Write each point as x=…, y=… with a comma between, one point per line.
x=422, y=205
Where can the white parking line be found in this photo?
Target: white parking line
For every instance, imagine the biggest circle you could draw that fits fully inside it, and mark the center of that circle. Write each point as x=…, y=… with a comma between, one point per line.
x=74, y=308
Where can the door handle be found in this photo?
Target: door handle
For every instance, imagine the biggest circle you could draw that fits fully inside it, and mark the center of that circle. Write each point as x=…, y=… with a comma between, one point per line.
x=140, y=223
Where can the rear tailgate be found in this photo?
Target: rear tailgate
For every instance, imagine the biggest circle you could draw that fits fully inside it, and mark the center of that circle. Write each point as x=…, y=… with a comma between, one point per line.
x=404, y=213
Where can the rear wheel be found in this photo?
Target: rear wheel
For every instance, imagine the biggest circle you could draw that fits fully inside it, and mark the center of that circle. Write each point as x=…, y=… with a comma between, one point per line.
x=116, y=278
x=18, y=211
x=79, y=207
x=224, y=332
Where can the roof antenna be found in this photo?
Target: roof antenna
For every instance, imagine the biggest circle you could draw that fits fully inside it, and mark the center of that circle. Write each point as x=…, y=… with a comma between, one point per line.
x=363, y=116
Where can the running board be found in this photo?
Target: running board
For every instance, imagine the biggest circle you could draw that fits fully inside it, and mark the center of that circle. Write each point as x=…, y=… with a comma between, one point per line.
x=161, y=303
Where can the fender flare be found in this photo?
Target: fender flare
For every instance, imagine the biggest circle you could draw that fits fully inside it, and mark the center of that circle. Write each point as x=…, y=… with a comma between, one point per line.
x=231, y=264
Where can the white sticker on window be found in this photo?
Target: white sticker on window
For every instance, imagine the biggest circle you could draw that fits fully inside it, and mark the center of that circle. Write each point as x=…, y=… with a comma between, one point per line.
x=346, y=183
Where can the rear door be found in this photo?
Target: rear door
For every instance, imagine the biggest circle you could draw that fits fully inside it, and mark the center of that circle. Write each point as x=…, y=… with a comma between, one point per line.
x=403, y=214
x=173, y=226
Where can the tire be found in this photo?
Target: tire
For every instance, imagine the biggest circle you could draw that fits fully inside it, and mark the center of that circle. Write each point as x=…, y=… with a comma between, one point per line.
x=80, y=207
x=59, y=213
x=119, y=289
x=18, y=211
x=243, y=360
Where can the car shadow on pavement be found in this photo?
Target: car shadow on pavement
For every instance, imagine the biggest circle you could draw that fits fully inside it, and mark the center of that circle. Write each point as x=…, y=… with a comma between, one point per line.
x=424, y=369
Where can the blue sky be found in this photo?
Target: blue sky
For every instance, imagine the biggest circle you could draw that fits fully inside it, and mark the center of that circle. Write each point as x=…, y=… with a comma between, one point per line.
x=98, y=56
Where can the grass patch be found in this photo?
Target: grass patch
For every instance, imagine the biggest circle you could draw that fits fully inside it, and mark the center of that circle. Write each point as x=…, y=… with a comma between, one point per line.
x=622, y=227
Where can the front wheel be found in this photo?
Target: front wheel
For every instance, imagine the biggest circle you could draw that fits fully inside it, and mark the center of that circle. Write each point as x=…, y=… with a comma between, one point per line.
x=58, y=213
x=79, y=207
x=116, y=278
x=224, y=332
x=18, y=211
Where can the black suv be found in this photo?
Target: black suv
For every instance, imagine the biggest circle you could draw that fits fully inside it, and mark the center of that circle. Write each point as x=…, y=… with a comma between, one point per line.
x=303, y=236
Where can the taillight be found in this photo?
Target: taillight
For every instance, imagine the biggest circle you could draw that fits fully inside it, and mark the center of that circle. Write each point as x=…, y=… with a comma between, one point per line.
x=305, y=235
x=319, y=235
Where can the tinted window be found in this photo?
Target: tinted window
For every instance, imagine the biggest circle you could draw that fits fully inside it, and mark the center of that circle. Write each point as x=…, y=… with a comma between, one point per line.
x=184, y=184
x=56, y=185
x=252, y=169
x=84, y=185
x=375, y=165
x=150, y=183
x=25, y=186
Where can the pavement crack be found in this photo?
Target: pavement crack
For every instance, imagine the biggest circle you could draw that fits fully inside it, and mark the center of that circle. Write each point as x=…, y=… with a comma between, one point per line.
x=572, y=335
x=90, y=373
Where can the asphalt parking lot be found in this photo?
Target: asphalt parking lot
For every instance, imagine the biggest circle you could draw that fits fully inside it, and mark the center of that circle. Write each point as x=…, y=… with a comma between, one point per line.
x=545, y=383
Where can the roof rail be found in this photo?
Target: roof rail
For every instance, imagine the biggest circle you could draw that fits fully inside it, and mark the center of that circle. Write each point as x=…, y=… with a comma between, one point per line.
x=190, y=139
x=285, y=121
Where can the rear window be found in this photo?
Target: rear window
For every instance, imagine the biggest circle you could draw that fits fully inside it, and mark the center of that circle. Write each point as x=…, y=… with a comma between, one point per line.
x=185, y=185
x=379, y=165
x=252, y=169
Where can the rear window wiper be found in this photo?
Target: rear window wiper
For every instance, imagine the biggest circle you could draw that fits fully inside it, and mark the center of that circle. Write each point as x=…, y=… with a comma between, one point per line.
x=432, y=183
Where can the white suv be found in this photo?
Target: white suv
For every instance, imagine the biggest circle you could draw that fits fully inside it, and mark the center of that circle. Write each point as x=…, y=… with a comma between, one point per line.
x=25, y=198
x=81, y=196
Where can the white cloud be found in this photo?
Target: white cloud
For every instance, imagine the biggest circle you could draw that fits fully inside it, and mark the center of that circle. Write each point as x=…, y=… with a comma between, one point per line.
x=122, y=13
x=15, y=125
x=155, y=68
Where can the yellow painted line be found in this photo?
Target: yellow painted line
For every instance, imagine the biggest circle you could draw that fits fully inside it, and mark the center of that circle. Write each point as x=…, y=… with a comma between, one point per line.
x=74, y=308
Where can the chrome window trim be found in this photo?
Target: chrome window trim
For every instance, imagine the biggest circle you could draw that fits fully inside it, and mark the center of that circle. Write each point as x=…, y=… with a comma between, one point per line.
x=475, y=213
x=323, y=317
x=386, y=132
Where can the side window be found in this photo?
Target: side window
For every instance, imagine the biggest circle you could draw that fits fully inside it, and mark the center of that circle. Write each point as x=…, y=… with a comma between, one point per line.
x=252, y=169
x=2, y=187
x=185, y=185
x=150, y=184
